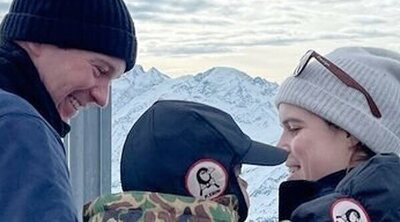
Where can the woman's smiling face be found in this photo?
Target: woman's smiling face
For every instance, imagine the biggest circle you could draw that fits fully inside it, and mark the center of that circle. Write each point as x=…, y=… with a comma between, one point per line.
x=316, y=149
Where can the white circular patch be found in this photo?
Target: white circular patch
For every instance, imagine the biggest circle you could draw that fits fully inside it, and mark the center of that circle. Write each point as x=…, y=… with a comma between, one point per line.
x=348, y=210
x=206, y=179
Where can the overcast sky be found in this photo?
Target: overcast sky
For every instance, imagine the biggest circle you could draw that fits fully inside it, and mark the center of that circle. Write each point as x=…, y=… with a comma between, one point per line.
x=260, y=37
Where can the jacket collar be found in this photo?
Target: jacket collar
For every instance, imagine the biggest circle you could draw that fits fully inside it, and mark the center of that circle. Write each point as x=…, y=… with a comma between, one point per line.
x=19, y=76
x=290, y=197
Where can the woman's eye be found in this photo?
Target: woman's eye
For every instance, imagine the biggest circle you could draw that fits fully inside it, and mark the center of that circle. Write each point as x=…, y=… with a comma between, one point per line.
x=294, y=129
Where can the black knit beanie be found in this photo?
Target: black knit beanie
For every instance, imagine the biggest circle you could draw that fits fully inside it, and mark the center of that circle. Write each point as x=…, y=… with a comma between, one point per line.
x=103, y=26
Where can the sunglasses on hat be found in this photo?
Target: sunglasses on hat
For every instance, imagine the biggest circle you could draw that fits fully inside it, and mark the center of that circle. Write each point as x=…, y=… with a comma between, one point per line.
x=340, y=74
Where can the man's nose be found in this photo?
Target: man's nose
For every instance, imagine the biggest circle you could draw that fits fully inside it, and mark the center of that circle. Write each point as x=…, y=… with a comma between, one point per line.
x=100, y=94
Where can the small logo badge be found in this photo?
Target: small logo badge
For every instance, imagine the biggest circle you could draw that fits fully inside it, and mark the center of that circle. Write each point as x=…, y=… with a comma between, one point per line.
x=206, y=179
x=348, y=210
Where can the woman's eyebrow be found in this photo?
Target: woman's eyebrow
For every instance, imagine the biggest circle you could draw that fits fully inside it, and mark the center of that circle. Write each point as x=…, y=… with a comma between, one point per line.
x=292, y=120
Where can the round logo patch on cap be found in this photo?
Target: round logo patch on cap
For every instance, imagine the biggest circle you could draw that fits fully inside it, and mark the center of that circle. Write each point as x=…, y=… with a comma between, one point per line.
x=206, y=179
x=348, y=210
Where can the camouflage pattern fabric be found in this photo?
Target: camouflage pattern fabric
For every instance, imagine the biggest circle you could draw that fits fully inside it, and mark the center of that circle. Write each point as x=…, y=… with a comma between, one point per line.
x=157, y=207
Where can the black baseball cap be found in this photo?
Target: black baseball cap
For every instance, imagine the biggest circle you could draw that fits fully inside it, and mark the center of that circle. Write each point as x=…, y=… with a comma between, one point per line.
x=176, y=146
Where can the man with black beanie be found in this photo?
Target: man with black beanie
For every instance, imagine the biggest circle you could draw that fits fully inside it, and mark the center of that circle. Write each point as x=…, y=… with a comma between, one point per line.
x=56, y=57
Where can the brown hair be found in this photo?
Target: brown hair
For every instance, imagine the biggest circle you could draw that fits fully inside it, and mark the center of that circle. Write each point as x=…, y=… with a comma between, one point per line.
x=361, y=151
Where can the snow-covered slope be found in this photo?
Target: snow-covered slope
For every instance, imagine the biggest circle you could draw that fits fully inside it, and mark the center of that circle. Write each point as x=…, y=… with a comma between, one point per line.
x=249, y=100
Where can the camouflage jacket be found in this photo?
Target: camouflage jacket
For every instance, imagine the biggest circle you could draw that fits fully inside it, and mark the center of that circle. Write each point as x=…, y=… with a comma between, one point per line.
x=157, y=207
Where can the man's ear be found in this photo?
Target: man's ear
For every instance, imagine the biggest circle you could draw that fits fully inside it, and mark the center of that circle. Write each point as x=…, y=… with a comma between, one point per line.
x=32, y=48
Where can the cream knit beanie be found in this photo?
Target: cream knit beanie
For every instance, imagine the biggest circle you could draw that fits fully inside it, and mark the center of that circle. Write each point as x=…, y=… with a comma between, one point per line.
x=317, y=90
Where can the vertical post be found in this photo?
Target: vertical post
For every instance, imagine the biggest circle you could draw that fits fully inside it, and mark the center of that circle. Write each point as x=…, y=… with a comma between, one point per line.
x=89, y=155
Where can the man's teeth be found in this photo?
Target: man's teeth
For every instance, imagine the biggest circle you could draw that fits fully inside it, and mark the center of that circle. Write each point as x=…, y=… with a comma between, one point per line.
x=74, y=102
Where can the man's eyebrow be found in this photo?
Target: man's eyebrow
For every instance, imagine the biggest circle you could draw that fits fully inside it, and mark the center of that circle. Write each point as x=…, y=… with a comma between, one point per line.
x=108, y=64
x=105, y=62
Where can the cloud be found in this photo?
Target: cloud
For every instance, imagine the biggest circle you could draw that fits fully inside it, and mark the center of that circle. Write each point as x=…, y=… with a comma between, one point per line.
x=186, y=28
x=368, y=20
x=388, y=5
x=180, y=20
x=365, y=32
x=278, y=22
x=332, y=2
x=210, y=44
x=184, y=50
x=335, y=35
x=4, y=6
x=279, y=41
x=169, y=6
x=219, y=34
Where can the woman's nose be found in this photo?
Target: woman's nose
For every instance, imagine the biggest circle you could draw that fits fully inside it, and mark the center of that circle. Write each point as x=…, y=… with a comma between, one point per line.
x=283, y=144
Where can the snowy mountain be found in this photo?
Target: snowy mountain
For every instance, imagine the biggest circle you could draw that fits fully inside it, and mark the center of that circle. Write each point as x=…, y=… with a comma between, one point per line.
x=249, y=100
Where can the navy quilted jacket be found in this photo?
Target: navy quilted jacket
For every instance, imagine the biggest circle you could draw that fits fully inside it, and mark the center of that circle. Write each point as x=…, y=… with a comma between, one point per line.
x=369, y=192
x=34, y=177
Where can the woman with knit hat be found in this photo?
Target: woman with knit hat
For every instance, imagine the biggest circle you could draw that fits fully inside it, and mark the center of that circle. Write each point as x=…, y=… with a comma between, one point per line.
x=341, y=125
x=56, y=57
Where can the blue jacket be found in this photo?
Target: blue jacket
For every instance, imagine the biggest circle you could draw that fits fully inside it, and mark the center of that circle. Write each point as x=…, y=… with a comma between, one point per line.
x=34, y=184
x=370, y=191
